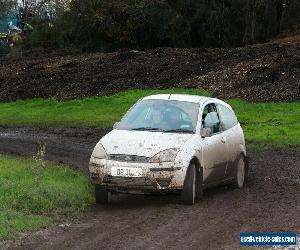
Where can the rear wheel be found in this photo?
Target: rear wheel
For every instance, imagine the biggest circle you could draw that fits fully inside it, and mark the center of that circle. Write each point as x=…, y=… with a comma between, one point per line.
x=101, y=194
x=240, y=175
x=199, y=184
x=192, y=187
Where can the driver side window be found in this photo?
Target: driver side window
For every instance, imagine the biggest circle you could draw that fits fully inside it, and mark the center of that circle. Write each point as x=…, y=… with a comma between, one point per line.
x=210, y=118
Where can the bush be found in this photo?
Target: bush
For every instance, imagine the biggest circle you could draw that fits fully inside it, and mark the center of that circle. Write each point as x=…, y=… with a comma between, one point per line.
x=4, y=50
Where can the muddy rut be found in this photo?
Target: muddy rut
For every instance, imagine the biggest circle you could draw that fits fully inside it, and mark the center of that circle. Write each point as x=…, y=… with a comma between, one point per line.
x=270, y=202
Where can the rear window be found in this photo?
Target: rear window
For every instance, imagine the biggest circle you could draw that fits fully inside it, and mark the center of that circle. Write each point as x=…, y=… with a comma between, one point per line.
x=227, y=116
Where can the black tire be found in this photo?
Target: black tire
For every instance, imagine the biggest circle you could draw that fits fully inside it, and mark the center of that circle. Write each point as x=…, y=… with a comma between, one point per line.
x=189, y=193
x=101, y=194
x=199, y=184
x=240, y=173
x=247, y=168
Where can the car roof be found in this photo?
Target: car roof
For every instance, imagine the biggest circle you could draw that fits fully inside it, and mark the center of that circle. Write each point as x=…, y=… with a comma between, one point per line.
x=186, y=98
x=177, y=97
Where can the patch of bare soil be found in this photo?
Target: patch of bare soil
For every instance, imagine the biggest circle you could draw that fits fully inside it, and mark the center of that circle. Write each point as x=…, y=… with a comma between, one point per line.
x=71, y=146
x=269, y=203
x=291, y=35
x=265, y=72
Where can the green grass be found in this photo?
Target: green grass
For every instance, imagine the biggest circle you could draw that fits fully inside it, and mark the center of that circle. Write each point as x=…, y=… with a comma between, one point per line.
x=91, y=112
x=29, y=204
x=265, y=124
x=269, y=124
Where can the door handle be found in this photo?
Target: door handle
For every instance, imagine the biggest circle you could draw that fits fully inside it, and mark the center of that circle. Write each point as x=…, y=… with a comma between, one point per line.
x=223, y=140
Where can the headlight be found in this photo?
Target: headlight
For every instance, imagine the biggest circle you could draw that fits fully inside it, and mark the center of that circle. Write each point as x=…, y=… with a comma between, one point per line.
x=167, y=155
x=99, y=152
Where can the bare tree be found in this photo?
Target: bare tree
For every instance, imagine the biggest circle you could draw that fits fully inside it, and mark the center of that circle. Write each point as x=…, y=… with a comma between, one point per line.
x=43, y=9
x=6, y=5
x=281, y=6
x=249, y=35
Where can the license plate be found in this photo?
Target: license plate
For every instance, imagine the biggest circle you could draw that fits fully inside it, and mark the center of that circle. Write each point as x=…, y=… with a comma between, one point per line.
x=126, y=172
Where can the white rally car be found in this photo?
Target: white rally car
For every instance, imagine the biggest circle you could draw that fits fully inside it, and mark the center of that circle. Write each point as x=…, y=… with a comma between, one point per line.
x=168, y=143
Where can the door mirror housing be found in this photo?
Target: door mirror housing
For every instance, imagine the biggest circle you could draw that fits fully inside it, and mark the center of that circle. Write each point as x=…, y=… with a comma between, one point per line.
x=205, y=132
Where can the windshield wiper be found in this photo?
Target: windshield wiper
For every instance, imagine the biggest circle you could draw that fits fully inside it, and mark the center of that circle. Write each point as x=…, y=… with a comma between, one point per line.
x=178, y=130
x=147, y=129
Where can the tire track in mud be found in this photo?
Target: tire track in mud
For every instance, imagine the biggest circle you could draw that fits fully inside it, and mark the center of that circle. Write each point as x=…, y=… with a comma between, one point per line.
x=270, y=202
x=70, y=146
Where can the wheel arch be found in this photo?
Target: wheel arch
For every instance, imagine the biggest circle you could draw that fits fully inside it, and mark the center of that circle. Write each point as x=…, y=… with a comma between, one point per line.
x=197, y=163
x=243, y=150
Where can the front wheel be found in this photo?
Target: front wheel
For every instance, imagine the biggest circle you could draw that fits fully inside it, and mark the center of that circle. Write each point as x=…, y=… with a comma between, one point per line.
x=101, y=194
x=192, y=187
x=240, y=175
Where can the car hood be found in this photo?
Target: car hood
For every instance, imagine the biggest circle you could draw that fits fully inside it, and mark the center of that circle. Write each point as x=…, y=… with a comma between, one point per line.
x=141, y=143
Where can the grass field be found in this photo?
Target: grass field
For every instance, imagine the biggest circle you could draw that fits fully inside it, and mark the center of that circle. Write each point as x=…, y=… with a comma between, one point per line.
x=265, y=124
x=269, y=124
x=90, y=112
x=34, y=194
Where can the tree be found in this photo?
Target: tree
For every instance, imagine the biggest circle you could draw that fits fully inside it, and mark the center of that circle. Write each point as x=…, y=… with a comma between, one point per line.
x=108, y=25
x=5, y=6
x=281, y=7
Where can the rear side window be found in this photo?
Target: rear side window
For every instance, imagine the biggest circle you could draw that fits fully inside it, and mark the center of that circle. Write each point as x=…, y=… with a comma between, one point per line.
x=227, y=117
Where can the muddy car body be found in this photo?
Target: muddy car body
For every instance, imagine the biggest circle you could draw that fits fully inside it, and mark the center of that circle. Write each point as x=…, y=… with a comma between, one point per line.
x=201, y=144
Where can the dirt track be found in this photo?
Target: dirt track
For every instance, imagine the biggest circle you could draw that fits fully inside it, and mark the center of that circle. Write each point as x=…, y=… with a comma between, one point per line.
x=269, y=202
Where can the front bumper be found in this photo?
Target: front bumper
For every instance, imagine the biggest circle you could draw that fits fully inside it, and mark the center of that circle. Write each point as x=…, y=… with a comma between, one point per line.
x=155, y=176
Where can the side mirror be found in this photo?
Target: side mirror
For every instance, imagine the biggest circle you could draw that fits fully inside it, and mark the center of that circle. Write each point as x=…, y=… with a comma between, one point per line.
x=205, y=132
x=115, y=125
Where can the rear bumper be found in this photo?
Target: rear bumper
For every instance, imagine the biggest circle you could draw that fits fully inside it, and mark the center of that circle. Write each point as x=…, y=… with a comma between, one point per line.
x=155, y=176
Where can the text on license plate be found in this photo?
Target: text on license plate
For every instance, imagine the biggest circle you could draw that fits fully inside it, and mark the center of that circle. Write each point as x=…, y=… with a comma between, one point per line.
x=126, y=172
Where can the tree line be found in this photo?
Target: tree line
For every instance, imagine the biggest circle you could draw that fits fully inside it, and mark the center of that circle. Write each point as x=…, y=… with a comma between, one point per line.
x=107, y=25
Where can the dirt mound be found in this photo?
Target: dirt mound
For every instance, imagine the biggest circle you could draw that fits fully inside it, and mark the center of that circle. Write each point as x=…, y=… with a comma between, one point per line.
x=291, y=35
x=267, y=72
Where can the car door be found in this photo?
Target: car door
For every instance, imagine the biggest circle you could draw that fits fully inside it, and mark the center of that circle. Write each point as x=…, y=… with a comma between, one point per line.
x=214, y=151
x=231, y=133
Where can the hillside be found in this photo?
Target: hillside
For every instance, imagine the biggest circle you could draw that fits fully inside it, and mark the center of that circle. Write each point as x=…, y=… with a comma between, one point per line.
x=266, y=72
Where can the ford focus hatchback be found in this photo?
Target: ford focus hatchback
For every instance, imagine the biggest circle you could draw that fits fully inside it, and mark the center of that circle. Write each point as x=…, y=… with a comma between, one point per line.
x=170, y=143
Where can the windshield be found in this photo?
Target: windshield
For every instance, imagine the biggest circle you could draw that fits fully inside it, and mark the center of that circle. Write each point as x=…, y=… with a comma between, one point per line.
x=161, y=115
